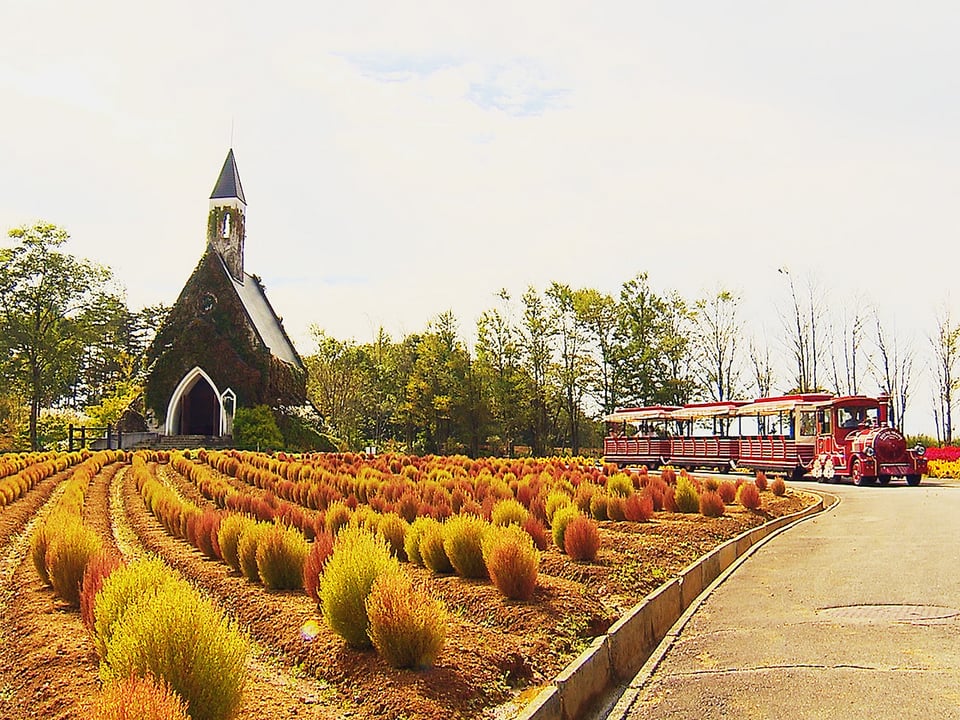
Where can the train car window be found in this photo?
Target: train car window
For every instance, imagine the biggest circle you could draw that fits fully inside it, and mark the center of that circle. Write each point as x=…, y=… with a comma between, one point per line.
x=808, y=424
x=825, y=422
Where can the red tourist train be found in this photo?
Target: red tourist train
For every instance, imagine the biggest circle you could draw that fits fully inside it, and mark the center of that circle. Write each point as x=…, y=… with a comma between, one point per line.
x=823, y=436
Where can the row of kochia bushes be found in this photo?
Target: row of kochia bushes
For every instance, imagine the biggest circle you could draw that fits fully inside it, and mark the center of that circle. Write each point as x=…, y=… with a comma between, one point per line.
x=446, y=488
x=19, y=473
x=165, y=652
x=504, y=548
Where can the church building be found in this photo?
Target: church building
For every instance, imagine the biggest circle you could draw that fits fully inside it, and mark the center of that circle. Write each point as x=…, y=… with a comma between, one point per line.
x=222, y=346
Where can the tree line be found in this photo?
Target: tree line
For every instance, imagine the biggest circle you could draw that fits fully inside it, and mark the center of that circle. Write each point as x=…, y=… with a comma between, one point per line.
x=535, y=374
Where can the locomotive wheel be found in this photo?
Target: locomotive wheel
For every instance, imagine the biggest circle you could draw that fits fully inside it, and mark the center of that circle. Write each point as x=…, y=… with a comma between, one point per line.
x=856, y=473
x=883, y=479
x=913, y=480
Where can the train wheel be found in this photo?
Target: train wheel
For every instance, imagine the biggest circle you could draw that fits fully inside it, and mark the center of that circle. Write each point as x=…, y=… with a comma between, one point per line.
x=856, y=474
x=883, y=479
x=913, y=480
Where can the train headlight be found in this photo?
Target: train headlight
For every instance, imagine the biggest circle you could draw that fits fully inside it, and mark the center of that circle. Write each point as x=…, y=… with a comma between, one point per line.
x=869, y=451
x=920, y=450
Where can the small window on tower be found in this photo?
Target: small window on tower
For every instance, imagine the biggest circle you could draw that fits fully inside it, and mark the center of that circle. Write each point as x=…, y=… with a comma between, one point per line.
x=226, y=225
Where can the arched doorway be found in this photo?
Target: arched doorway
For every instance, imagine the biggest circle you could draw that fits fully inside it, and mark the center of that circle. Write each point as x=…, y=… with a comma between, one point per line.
x=200, y=412
x=195, y=407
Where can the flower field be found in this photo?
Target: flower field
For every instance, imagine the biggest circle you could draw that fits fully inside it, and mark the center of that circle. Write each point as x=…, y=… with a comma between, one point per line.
x=227, y=584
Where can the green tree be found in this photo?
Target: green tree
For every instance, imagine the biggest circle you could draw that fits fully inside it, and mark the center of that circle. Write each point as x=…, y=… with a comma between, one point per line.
x=574, y=369
x=600, y=317
x=49, y=312
x=435, y=399
x=497, y=361
x=256, y=429
x=536, y=347
x=339, y=377
x=718, y=334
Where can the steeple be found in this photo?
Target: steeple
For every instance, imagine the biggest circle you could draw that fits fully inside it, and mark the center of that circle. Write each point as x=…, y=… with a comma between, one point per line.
x=225, y=223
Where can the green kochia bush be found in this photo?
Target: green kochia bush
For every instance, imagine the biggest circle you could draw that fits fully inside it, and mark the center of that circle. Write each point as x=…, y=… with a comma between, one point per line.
x=359, y=558
x=181, y=638
x=120, y=591
x=71, y=547
x=686, y=496
x=463, y=543
x=281, y=554
x=229, y=532
x=432, y=550
x=247, y=549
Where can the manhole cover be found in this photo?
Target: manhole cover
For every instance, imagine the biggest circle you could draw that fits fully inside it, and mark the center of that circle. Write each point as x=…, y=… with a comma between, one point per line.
x=911, y=614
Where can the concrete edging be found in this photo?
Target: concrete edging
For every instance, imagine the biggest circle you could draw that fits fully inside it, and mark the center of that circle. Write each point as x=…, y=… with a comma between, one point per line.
x=629, y=645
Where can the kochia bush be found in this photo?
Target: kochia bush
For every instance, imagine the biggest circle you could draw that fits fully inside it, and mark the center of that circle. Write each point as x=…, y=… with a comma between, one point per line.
x=228, y=535
x=463, y=544
x=135, y=698
x=120, y=591
x=358, y=559
x=512, y=561
x=320, y=551
x=638, y=508
x=407, y=627
x=432, y=550
x=581, y=538
x=247, y=549
x=620, y=485
x=96, y=572
x=686, y=497
x=71, y=547
x=711, y=504
x=280, y=556
x=559, y=525
x=749, y=496
x=181, y=638
x=509, y=512
x=778, y=487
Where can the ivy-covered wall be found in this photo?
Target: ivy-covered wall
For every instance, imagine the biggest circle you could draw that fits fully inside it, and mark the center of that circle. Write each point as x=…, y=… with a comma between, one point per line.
x=209, y=328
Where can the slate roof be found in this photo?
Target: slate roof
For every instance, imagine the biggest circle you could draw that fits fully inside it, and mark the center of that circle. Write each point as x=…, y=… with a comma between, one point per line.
x=228, y=184
x=263, y=317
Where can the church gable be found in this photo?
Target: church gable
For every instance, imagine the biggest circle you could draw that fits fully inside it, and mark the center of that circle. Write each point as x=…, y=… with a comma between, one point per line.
x=208, y=328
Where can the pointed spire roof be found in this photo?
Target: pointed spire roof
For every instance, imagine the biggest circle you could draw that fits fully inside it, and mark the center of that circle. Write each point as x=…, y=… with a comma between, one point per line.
x=228, y=184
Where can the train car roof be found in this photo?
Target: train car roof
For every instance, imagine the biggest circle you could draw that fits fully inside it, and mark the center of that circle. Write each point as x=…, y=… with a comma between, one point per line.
x=638, y=414
x=784, y=403
x=692, y=411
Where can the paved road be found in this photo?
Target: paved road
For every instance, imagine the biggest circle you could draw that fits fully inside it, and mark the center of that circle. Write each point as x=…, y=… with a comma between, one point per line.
x=765, y=644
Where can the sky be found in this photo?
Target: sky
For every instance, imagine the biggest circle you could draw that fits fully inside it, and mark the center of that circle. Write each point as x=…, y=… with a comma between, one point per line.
x=404, y=159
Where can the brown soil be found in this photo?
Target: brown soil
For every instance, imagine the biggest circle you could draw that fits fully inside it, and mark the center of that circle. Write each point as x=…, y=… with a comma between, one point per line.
x=498, y=652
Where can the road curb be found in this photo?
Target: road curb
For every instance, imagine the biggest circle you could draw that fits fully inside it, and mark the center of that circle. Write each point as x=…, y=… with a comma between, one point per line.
x=635, y=644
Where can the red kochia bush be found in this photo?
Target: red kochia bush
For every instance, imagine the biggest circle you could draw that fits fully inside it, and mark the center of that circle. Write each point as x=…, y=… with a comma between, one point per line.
x=778, y=487
x=637, y=508
x=761, y=480
x=139, y=697
x=711, y=504
x=320, y=550
x=728, y=491
x=749, y=496
x=581, y=538
x=537, y=532
x=97, y=570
